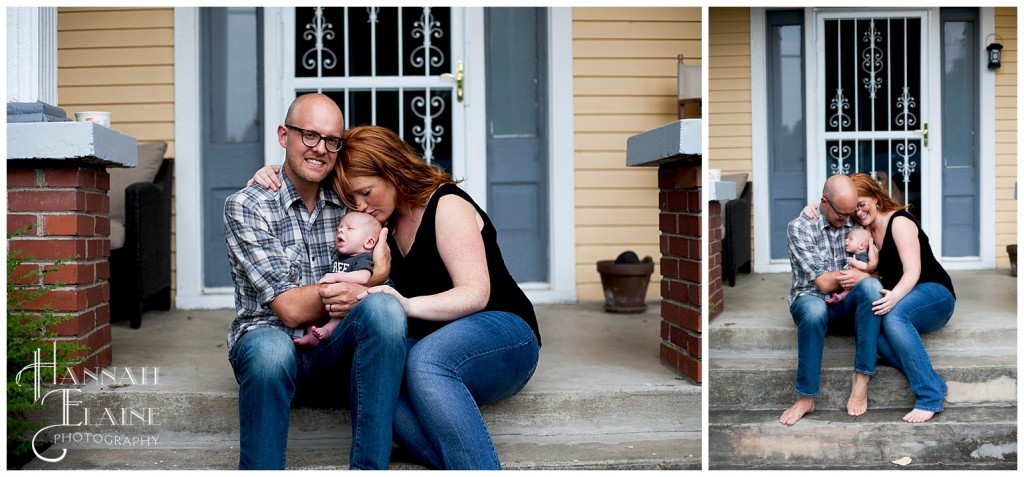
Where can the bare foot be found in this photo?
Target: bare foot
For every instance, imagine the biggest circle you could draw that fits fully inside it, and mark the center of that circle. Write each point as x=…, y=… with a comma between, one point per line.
x=858, y=403
x=802, y=406
x=308, y=339
x=918, y=415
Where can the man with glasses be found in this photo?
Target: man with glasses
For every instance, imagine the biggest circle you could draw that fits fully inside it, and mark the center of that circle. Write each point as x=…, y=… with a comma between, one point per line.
x=817, y=256
x=279, y=245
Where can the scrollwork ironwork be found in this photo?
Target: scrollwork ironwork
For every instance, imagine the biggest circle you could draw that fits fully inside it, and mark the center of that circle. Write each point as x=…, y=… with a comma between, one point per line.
x=872, y=59
x=426, y=28
x=428, y=134
x=319, y=29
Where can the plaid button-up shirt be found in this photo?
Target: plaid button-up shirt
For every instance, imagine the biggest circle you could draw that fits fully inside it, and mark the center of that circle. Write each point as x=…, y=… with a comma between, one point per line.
x=814, y=249
x=275, y=244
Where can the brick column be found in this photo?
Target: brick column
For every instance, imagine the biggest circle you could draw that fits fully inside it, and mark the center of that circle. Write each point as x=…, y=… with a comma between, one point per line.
x=680, y=204
x=66, y=202
x=716, y=231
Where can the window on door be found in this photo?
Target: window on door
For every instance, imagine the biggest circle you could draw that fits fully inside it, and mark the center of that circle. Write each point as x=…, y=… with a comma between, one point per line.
x=382, y=66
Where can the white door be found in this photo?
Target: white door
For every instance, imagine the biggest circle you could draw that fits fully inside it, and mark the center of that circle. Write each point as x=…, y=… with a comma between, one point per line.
x=872, y=111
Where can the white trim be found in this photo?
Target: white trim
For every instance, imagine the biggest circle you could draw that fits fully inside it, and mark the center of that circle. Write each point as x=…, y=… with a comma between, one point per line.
x=986, y=152
x=277, y=90
x=561, y=183
x=475, y=171
x=760, y=174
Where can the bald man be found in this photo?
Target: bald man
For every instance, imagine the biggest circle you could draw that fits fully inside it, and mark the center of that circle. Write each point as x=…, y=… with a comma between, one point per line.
x=817, y=258
x=279, y=245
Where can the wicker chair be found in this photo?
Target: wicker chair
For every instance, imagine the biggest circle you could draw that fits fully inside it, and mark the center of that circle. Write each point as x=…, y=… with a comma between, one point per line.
x=140, y=271
x=736, y=243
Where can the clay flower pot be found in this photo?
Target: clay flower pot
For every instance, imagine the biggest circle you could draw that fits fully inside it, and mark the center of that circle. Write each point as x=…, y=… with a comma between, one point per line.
x=625, y=283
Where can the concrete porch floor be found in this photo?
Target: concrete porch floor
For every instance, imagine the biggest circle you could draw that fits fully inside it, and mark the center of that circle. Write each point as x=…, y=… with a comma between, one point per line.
x=584, y=348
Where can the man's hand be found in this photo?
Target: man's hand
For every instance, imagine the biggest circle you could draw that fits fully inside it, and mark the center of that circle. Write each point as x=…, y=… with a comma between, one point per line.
x=339, y=298
x=850, y=277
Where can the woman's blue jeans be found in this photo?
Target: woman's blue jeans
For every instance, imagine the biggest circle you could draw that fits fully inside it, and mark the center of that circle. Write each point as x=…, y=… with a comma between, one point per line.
x=477, y=359
x=368, y=346
x=897, y=337
x=813, y=318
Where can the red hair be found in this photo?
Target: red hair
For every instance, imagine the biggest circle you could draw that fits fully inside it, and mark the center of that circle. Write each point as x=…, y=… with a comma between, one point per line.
x=868, y=187
x=378, y=151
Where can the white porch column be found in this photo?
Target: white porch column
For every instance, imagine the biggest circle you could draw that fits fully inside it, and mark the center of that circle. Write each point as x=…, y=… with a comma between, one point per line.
x=32, y=55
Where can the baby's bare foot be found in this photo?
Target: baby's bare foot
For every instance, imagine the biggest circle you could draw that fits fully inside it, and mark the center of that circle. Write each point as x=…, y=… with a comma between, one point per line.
x=918, y=415
x=322, y=333
x=858, y=403
x=802, y=406
x=308, y=339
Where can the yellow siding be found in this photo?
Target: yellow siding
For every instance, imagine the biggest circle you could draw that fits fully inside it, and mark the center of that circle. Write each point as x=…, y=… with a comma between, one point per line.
x=625, y=67
x=1006, y=136
x=120, y=60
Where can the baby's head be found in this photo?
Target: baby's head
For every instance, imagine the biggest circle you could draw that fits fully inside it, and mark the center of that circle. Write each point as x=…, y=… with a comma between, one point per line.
x=857, y=241
x=357, y=233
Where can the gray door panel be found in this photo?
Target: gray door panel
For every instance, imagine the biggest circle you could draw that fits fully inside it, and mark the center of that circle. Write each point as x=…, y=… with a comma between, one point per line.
x=232, y=132
x=517, y=141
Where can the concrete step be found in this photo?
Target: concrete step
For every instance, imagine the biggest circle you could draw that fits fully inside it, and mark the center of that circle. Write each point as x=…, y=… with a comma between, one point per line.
x=319, y=452
x=764, y=380
x=962, y=439
x=997, y=331
x=600, y=399
x=532, y=430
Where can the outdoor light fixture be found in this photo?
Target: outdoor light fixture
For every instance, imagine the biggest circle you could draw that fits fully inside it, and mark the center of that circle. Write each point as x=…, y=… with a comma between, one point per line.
x=995, y=54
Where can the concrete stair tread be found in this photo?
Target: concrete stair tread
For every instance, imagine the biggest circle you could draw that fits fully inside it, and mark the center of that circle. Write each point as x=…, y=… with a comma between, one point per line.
x=961, y=438
x=649, y=451
x=843, y=359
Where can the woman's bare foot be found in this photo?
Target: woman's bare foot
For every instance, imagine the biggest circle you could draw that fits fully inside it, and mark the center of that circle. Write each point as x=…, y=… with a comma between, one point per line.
x=858, y=403
x=802, y=406
x=918, y=415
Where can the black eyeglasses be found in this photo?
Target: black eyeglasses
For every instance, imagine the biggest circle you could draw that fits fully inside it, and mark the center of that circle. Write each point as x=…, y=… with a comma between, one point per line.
x=312, y=138
x=841, y=215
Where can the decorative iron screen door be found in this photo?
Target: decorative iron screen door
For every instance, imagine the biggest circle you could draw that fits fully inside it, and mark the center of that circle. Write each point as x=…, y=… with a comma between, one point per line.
x=383, y=66
x=873, y=112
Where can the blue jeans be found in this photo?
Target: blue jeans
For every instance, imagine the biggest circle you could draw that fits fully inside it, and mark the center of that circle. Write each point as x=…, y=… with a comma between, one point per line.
x=897, y=336
x=813, y=318
x=368, y=346
x=477, y=359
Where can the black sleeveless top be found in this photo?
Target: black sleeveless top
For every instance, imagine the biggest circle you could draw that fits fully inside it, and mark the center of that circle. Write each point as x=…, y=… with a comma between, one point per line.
x=890, y=267
x=422, y=272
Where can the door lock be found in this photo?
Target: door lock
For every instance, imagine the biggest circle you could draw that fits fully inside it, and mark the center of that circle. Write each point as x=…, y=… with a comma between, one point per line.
x=459, y=76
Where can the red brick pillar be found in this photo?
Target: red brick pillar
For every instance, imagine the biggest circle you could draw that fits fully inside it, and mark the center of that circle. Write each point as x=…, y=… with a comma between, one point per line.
x=680, y=223
x=715, y=233
x=67, y=204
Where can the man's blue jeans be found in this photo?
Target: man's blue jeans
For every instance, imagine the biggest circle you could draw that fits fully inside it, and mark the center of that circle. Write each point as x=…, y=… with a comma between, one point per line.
x=897, y=336
x=813, y=318
x=368, y=346
x=477, y=359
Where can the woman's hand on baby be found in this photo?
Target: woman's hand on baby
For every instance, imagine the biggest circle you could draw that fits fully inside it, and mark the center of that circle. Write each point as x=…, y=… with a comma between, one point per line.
x=266, y=176
x=811, y=211
x=388, y=290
